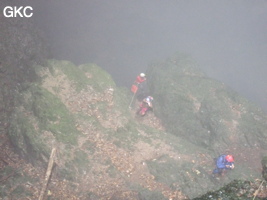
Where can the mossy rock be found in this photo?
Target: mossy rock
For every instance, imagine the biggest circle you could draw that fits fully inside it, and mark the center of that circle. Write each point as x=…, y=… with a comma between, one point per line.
x=202, y=110
x=24, y=138
x=16, y=184
x=98, y=77
x=236, y=190
x=39, y=111
x=54, y=116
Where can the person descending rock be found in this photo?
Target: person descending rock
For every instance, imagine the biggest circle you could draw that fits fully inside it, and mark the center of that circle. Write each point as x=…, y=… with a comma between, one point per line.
x=139, y=88
x=148, y=101
x=140, y=78
x=138, y=82
x=223, y=162
x=145, y=105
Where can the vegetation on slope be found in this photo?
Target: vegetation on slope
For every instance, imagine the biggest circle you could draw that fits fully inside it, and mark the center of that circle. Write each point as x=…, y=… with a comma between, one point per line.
x=21, y=47
x=100, y=142
x=202, y=110
x=103, y=150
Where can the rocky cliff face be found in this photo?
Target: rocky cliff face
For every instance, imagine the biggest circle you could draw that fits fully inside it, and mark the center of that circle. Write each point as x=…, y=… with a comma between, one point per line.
x=21, y=47
x=204, y=111
x=238, y=190
x=102, y=144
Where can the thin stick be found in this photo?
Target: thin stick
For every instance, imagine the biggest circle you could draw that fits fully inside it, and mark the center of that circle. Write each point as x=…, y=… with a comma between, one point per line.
x=257, y=191
x=132, y=101
x=48, y=173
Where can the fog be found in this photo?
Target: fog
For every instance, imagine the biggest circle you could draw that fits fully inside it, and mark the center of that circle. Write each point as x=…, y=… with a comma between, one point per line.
x=228, y=39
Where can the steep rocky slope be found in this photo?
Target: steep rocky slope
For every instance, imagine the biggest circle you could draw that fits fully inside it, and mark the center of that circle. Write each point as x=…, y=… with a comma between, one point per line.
x=21, y=46
x=104, y=151
x=101, y=149
x=213, y=115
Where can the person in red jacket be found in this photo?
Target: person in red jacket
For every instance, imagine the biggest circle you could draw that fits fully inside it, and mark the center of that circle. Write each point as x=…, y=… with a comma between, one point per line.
x=145, y=105
x=138, y=82
x=140, y=78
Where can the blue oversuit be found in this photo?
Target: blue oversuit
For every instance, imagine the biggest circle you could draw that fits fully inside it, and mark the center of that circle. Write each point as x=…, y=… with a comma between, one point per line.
x=221, y=164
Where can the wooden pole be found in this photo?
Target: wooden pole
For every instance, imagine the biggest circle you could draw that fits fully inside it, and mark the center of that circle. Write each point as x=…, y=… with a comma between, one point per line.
x=48, y=173
x=257, y=191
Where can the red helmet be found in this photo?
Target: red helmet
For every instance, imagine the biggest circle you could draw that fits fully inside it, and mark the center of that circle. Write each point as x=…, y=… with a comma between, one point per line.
x=229, y=158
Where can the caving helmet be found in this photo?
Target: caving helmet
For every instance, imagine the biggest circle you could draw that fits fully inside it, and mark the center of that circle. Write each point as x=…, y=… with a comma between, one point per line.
x=150, y=98
x=229, y=158
x=142, y=75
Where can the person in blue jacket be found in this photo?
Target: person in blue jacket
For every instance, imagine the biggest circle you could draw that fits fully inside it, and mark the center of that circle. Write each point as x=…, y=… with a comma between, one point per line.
x=223, y=163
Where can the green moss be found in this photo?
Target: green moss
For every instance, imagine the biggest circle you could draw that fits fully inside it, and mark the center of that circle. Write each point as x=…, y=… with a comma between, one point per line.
x=198, y=108
x=53, y=116
x=231, y=191
x=20, y=192
x=126, y=136
x=253, y=123
x=25, y=137
x=72, y=72
x=90, y=121
x=99, y=78
x=145, y=193
x=92, y=196
x=81, y=161
x=89, y=147
x=102, y=107
x=83, y=75
x=264, y=167
x=76, y=166
x=15, y=185
x=112, y=171
x=167, y=170
x=38, y=110
x=122, y=99
x=67, y=173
